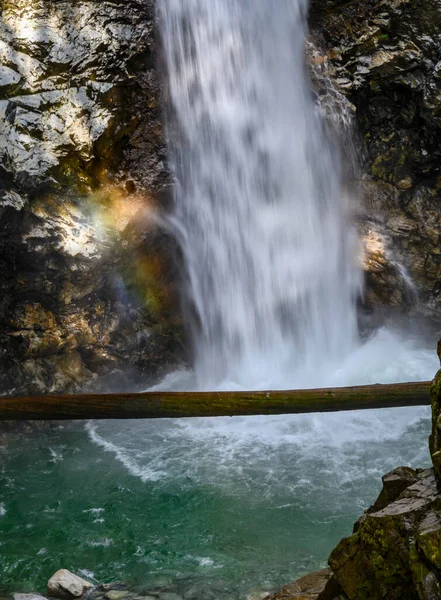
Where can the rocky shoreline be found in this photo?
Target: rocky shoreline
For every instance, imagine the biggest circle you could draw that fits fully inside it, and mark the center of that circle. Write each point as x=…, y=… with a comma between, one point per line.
x=394, y=553
x=64, y=585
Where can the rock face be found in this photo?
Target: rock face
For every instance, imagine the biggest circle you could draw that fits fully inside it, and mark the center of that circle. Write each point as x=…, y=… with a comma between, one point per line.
x=435, y=436
x=86, y=292
x=384, y=57
x=394, y=550
x=67, y=586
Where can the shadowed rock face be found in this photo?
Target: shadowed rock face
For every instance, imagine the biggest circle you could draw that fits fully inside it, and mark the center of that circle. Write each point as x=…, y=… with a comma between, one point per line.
x=384, y=56
x=86, y=295
x=394, y=552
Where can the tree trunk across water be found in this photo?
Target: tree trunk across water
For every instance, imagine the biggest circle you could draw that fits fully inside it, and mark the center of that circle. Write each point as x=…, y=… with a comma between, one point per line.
x=156, y=405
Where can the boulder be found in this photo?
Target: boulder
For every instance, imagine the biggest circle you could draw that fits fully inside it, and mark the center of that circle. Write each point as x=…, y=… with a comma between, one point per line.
x=67, y=586
x=394, y=483
x=315, y=586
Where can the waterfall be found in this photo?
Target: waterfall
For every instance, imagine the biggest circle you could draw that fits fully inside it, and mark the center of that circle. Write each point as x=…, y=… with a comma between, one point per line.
x=260, y=211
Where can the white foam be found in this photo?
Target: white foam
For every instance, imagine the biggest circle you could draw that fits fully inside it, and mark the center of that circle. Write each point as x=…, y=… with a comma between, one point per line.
x=103, y=543
x=387, y=357
x=123, y=455
x=273, y=458
x=86, y=573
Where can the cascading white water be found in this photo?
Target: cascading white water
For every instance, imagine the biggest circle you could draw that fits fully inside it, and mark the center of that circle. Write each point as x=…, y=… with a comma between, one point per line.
x=265, y=229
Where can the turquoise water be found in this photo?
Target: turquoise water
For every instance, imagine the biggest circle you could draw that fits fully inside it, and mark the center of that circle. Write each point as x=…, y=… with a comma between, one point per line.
x=233, y=505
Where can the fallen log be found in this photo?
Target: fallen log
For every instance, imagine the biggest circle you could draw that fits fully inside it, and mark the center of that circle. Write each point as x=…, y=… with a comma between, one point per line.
x=156, y=405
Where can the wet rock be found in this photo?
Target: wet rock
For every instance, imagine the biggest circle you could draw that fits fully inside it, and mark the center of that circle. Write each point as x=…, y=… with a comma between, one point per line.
x=388, y=556
x=27, y=597
x=67, y=586
x=394, y=483
x=316, y=586
x=435, y=435
x=383, y=57
x=87, y=297
x=114, y=585
x=117, y=594
x=256, y=596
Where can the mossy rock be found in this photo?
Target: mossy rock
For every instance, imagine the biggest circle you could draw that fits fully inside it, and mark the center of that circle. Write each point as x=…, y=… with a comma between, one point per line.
x=396, y=550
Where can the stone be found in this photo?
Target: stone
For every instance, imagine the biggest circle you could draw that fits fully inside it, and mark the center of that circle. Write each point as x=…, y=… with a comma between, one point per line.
x=394, y=483
x=27, y=597
x=64, y=584
x=315, y=586
x=114, y=585
x=117, y=594
x=395, y=550
x=435, y=436
x=255, y=596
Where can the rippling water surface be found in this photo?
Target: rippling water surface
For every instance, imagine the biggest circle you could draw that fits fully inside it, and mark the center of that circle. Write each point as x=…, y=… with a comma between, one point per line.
x=233, y=505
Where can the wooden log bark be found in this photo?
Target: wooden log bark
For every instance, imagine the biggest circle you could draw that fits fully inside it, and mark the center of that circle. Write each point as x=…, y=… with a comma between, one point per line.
x=156, y=405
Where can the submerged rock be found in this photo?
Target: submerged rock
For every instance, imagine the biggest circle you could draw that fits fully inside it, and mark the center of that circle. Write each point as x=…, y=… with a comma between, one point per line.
x=27, y=597
x=64, y=584
x=117, y=594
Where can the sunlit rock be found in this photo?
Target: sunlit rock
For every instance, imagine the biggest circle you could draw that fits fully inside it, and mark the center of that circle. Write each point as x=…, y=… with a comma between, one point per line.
x=64, y=584
x=384, y=58
x=82, y=169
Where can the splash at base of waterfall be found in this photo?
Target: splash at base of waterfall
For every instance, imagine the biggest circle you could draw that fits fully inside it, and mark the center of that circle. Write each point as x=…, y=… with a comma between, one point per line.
x=261, y=214
x=387, y=357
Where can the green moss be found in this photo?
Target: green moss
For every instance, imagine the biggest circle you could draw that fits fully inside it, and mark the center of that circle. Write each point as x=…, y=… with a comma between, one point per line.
x=374, y=563
x=435, y=436
x=430, y=545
